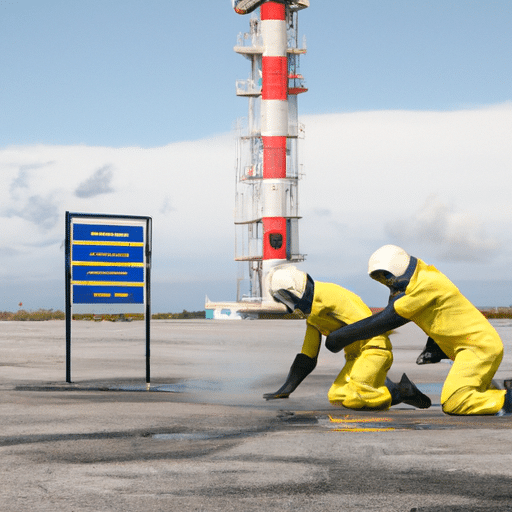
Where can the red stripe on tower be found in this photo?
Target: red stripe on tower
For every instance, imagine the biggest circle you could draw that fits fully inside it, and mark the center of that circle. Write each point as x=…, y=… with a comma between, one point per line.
x=274, y=157
x=275, y=83
x=274, y=119
x=273, y=11
x=274, y=232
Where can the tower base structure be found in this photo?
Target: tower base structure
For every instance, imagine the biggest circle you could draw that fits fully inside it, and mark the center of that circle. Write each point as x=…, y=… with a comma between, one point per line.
x=242, y=310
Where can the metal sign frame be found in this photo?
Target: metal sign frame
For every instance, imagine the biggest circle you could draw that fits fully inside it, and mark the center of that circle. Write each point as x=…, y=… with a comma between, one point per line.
x=108, y=269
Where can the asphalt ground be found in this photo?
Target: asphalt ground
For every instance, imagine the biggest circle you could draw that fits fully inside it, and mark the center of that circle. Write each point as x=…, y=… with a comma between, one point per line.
x=203, y=439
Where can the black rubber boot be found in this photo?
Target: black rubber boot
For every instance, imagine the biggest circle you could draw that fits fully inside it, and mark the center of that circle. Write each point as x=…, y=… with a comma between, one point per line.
x=507, y=406
x=395, y=392
x=405, y=391
x=411, y=395
x=431, y=353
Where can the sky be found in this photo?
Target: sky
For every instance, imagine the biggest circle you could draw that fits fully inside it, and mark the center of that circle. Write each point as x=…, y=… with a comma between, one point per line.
x=128, y=107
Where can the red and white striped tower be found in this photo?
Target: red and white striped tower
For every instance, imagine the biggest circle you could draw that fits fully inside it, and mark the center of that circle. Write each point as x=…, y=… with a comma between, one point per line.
x=266, y=213
x=274, y=131
x=266, y=205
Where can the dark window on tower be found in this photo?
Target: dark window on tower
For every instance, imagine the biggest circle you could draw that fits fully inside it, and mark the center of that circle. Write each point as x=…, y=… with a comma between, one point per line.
x=276, y=240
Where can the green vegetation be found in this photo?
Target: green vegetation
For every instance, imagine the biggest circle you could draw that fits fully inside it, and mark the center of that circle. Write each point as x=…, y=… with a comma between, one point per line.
x=128, y=317
x=296, y=315
x=50, y=314
x=39, y=315
x=497, y=313
x=179, y=316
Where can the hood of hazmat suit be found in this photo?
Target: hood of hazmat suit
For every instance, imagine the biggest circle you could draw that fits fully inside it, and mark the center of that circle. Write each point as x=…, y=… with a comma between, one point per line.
x=291, y=287
x=393, y=267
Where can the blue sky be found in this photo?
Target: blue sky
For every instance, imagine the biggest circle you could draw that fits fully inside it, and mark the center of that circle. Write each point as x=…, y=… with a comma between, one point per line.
x=124, y=73
x=140, y=96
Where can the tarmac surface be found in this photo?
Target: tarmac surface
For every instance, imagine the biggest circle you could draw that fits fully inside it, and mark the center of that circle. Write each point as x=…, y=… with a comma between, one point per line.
x=203, y=439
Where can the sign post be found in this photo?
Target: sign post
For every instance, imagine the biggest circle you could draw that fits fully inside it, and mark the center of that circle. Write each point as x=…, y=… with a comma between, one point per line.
x=108, y=264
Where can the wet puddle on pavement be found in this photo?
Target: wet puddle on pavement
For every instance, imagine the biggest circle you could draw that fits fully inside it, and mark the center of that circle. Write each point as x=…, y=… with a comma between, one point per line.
x=354, y=423
x=196, y=436
x=189, y=386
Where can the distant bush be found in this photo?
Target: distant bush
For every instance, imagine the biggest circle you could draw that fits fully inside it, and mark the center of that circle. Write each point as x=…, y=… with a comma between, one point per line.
x=498, y=313
x=179, y=316
x=128, y=317
x=50, y=314
x=296, y=315
x=39, y=315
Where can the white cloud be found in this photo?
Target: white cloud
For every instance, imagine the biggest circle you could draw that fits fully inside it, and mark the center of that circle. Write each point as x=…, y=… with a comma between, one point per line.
x=403, y=156
x=437, y=182
x=187, y=188
x=373, y=171
x=452, y=235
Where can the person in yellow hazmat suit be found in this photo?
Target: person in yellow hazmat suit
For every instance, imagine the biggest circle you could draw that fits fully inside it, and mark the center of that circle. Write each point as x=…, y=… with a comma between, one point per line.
x=363, y=382
x=425, y=296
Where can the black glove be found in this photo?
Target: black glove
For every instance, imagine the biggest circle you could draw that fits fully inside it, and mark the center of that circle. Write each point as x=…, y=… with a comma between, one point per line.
x=302, y=366
x=384, y=321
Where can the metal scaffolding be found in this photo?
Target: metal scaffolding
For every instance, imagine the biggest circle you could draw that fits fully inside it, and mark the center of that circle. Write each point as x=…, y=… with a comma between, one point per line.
x=256, y=196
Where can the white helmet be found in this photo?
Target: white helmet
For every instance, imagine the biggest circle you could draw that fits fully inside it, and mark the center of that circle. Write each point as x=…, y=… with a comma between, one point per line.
x=389, y=259
x=287, y=285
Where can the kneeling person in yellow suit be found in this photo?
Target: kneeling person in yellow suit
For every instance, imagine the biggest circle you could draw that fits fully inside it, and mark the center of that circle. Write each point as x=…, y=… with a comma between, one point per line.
x=423, y=295
x=362, y=383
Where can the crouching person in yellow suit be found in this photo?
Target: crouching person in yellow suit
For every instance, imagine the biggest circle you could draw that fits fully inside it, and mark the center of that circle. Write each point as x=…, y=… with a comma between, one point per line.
x=423, y=295
x=363, y=382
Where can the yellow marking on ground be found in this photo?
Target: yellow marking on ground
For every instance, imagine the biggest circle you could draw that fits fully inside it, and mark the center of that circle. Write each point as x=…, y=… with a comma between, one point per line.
x=363, y=429
x=347, y=419
x=353, y=424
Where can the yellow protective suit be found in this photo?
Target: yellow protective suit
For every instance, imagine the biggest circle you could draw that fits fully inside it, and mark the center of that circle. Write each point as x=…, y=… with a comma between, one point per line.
x=436, y=305
x=360, y=384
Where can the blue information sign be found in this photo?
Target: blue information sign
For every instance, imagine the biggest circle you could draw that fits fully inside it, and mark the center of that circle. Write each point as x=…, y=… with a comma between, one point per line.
x=108, y=261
